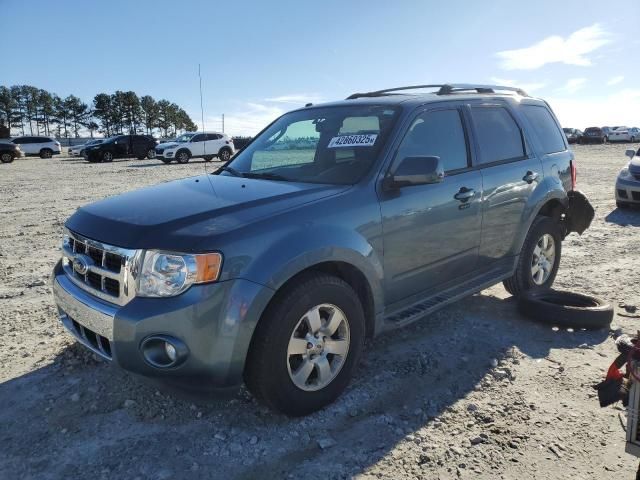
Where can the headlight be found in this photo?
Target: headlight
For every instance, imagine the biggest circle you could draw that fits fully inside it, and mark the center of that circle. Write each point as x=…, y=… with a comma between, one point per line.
x=167, y=274
x=624, y=173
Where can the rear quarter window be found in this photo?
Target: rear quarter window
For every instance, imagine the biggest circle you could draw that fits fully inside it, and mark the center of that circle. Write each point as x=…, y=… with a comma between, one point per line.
x=545, y=127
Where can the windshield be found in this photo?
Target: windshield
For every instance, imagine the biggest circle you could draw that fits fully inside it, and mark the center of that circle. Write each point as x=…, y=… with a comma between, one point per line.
x=185, y=137
x=333, y=145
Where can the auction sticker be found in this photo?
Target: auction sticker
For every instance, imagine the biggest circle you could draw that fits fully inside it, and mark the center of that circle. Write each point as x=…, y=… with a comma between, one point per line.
x=353, y=140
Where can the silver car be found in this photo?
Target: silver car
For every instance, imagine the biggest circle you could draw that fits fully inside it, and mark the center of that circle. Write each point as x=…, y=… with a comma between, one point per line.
x=628, y=181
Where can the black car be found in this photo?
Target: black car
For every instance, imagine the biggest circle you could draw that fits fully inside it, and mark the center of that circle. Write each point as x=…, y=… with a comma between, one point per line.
x=593, y=135
x=122, y=146
x=573, y=135
x=9, y=152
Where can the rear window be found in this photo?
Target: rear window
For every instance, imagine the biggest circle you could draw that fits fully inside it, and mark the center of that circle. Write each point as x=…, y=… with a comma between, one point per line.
x=545, y=127
x=498, y=134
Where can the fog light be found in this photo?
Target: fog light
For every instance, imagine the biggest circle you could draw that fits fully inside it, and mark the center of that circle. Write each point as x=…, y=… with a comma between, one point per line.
x=170, y=350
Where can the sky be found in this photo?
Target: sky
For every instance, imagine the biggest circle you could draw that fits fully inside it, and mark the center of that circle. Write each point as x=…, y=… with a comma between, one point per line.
x=260, y=59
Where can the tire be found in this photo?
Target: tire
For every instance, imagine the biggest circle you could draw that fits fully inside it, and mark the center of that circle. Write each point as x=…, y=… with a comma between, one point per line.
x=208, y=158
x=523, y=278
x=141, y=157
x=107, y=157
x=183, y=156
x=7, y=157
x=566, y=309
x=224, y=154
x=271, y=368
x=46, y=153
x=166, y=161
x=151, y=154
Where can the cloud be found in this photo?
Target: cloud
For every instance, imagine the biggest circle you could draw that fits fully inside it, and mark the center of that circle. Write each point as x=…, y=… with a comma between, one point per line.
x=248, y=119
x=296, y=98
x=619, y=108
x=527, y=87
x=556, y=49
x=615, y=80
x=572, y=85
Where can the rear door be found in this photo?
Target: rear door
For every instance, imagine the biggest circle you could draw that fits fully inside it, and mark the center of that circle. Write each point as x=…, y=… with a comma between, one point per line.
x=431, y=233
x=510, y=174
x=139, y=145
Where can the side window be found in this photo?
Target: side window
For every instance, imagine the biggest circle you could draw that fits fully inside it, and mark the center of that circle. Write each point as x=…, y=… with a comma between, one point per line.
x=213, y=136
x=198, y=138
x=19, y=140
x=499, y=136
x=545, y=127
x=437, y=134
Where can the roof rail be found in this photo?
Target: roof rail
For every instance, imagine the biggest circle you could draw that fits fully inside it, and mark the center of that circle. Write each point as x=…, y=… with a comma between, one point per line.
x=443, y=89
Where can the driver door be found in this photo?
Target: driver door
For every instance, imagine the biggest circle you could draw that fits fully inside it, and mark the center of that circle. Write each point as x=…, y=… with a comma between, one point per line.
x=431, y=233
x=196, y=146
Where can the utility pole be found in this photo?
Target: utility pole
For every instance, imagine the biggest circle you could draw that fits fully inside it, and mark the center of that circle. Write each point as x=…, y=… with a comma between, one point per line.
x=223, y=123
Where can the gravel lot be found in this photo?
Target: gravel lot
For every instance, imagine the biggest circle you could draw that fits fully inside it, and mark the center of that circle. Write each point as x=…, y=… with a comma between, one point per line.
x=474, y=391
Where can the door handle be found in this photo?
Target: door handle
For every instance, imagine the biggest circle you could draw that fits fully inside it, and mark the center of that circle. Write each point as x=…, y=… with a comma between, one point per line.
x=530, y=176
x=464, y=194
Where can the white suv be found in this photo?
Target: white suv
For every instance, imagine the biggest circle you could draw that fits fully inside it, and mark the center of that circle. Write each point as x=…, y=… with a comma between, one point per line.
x=196, y=145
x=46, y=147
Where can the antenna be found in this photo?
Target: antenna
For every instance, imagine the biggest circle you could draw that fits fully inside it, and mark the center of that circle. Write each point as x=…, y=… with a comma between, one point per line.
x=204, y=145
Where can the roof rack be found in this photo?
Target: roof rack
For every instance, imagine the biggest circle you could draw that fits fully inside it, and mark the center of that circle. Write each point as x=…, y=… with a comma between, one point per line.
x=443, y=89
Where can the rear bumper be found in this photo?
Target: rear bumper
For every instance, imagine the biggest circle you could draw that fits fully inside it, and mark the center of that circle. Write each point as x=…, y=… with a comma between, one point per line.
x=214, y=321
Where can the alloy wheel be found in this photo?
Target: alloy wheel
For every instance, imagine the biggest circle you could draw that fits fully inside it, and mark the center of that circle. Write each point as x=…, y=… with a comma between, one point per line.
x=318, y=347
x=543, y=259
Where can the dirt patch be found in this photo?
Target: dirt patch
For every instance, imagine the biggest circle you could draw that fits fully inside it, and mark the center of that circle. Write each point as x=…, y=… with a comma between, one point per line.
x=473, y=391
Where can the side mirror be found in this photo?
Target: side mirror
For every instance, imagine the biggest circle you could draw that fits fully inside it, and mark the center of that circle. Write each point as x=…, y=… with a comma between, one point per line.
x=415, y=171
x=630, y=153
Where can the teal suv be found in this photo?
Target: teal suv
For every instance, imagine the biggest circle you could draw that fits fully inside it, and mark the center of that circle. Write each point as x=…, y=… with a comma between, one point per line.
x=338, y=222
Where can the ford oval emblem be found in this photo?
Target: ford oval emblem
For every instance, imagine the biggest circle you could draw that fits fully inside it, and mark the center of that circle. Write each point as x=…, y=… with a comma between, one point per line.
x=81, y=264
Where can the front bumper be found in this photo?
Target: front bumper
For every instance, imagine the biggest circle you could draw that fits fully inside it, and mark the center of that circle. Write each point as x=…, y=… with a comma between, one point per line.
x=628, y=191
x=215, y=322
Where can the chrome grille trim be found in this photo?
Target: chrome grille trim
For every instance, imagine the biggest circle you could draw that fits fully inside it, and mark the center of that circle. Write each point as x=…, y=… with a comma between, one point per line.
x=115, y=268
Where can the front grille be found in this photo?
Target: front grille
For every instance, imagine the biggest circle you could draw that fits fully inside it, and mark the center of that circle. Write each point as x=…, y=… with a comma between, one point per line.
x=105, y=275
x=622, y=193
x=159, y=151
x=91, y=339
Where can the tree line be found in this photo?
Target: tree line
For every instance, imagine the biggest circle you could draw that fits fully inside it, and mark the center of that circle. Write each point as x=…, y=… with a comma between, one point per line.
x=34, y=111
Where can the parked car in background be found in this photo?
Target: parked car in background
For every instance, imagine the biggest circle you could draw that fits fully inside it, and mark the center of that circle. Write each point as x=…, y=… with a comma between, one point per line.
x=78, y=150
x=573, y=135
x=122, y=146
x=337, y=223
x=45, y=147
x=628, y=181
x=9, y=152
x=197, y=145
x=624, y=134
x=593, y=135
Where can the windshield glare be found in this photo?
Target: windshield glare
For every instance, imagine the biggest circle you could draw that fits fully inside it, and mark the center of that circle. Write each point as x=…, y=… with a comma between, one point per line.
x=333, y=145
x=185, y=137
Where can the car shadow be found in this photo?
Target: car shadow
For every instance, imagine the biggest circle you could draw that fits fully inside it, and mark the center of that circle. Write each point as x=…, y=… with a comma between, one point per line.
x=95, y=416
x=624, y=216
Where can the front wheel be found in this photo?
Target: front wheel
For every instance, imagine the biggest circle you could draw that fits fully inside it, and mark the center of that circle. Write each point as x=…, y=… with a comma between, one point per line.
x=183, y=156
x=151, y=154
x=306, y=346
x=224, y=154
x=539, y=258
x=46, y=153
x=6, y=157
x=107, y=157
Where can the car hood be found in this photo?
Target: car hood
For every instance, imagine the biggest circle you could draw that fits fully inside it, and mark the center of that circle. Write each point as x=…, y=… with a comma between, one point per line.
x=184, y=215
x=634, y=165
x=167, y=145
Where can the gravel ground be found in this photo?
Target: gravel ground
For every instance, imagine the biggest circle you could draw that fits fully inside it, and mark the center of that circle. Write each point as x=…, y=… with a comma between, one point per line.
x=473, y=391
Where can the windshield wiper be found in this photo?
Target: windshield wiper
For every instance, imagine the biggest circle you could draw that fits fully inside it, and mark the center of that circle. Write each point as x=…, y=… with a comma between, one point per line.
x=266, y=176
x=232, y=171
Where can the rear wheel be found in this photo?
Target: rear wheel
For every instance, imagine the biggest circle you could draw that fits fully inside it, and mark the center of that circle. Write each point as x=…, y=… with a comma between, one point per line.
x=539, y=258
x=107, y=157
x=151, y=153
x=183, y=156
x=6, y=157
x=306, y=346
x=46, y=153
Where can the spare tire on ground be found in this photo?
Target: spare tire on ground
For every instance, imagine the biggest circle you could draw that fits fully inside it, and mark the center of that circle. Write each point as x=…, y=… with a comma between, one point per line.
x=566, y=309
